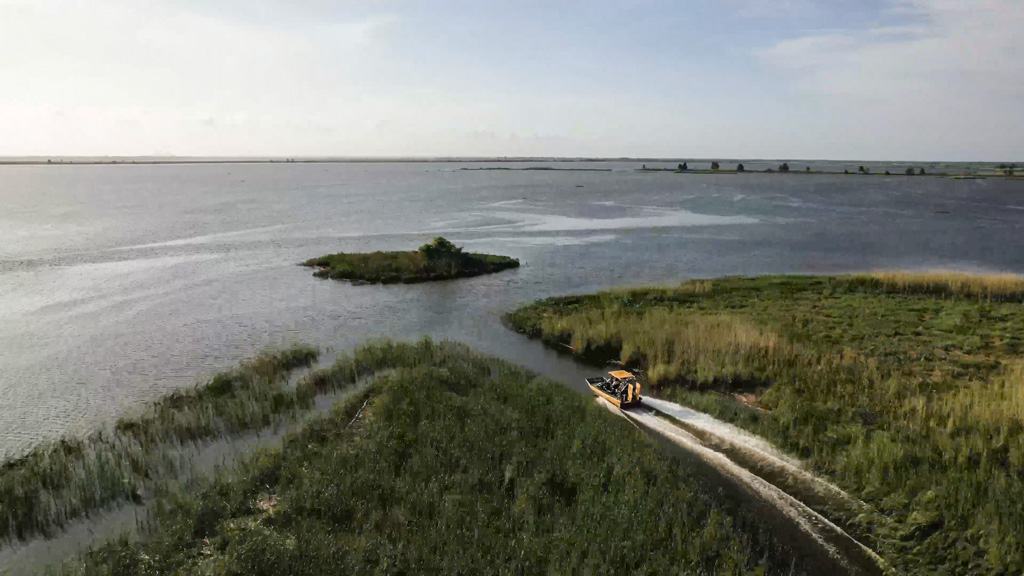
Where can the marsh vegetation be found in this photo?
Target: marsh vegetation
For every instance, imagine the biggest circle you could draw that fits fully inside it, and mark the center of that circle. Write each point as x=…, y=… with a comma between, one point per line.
x=437, y=260
x=907, y=390
x=60, y=481
x=454, y=463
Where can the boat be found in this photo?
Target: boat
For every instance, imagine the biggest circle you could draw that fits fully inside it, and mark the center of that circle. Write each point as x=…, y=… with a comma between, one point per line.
x=620, y=388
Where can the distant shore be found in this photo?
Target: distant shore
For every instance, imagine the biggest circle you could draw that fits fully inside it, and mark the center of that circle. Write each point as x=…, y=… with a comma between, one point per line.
x=955, y=170
x=967, y=171
x=87, y=160
x=539, y=168
x=670, y=162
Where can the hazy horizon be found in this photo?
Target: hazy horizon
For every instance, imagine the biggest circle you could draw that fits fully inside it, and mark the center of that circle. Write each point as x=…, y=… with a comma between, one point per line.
x=877, y=80
x=285, y=158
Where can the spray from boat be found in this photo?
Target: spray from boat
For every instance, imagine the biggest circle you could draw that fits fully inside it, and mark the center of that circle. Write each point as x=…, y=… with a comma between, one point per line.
x=751, y=463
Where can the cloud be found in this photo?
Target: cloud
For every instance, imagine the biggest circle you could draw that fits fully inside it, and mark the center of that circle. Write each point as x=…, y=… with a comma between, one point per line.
x=771, y=8
x=797, y=78
x=130, y=78
x=947, y=72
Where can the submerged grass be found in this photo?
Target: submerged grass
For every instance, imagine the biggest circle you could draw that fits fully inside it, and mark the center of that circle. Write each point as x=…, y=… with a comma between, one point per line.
x=59, y=481
x=907, y=390
x=450, y=463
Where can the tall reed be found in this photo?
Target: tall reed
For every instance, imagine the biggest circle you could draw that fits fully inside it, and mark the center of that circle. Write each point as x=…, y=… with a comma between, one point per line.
x=989, y=287
x=702, y=349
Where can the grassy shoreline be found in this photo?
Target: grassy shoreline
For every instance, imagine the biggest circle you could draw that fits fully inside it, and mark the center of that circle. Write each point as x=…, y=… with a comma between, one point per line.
x=451, y=462
x=438, y=260
x=905, y=389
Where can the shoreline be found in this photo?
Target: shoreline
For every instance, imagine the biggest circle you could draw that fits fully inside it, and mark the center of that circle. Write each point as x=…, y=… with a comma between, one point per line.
x=990, y=169
x=145, y=159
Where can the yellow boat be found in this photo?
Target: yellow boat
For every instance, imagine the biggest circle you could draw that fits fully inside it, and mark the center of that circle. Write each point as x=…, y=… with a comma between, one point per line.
x=620, y=388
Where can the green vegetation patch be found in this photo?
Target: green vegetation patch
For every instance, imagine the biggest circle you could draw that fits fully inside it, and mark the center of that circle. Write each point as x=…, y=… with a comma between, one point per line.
x=438, y=260
x=451, y=463
x=905, y=389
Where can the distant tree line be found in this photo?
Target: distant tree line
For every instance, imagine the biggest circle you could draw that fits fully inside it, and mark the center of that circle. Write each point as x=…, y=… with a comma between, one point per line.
x=715, y=165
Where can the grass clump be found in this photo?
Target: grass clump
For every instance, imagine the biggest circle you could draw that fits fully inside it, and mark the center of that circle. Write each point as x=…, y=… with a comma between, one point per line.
x=906, y=390
x=437, y=260
x=450, y=463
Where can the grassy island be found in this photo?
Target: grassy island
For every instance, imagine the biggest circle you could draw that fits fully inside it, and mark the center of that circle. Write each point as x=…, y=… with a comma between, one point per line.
x=449, y=463
x=438, y=260
x=907, y=390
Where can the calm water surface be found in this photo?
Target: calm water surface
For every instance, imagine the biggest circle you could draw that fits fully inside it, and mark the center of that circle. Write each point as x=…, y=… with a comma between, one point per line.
x=119, y=284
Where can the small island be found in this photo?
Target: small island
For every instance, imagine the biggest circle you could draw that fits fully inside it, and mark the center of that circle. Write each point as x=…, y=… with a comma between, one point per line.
x=436, y=260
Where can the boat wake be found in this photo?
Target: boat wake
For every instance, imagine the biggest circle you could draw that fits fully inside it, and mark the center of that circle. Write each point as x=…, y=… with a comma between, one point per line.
x=763, y=473
x=754, y=452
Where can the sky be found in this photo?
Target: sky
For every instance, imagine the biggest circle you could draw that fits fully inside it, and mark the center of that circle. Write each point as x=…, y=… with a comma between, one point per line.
x=842, y=79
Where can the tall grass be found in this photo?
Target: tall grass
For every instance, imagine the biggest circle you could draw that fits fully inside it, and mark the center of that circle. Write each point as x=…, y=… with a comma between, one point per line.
x=704, y=350
x=452, y=463
x=909, y=394
x=989, y=287
x=60, y=481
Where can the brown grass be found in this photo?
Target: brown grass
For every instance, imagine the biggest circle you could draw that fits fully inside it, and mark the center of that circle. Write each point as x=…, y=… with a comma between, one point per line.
x=992, y=287
x=703, y=349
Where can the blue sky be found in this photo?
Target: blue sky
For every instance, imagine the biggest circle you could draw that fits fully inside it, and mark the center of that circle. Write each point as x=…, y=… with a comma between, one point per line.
x=886, y=79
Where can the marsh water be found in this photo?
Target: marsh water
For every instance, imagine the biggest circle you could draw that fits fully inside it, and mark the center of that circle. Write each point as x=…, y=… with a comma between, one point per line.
x=121, y=283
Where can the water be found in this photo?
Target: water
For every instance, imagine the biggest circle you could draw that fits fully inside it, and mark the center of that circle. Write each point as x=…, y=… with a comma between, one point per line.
x=119, y=284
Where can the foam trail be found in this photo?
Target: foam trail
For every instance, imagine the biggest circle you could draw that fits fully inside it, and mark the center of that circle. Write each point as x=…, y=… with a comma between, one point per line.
x=753, y=447
x=832, y=539
x=712, y=425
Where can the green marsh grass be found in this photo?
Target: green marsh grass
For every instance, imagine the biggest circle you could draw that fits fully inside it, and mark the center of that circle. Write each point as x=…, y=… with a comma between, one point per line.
x=905, y=389
x=451, y=463
x=58, y=482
